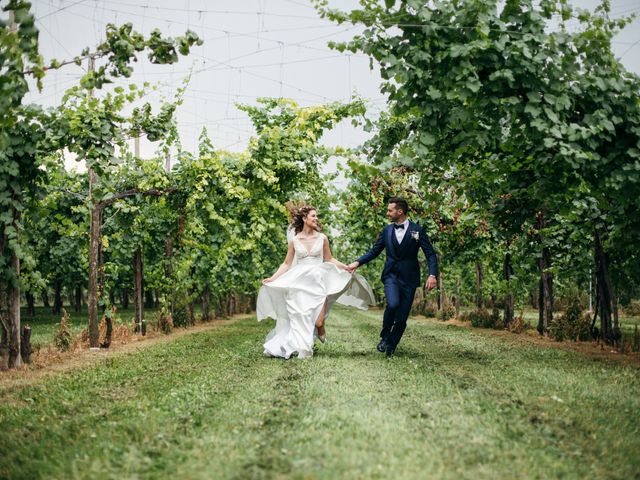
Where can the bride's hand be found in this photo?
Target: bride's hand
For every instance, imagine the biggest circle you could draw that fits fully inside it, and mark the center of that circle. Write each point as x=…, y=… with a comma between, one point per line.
x=267, y=280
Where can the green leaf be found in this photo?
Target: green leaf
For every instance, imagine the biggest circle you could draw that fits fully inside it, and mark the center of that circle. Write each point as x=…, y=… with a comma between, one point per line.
x=532, y=110
x=474, y=85
x=551, y=114
x=434, y=93
x=427, y=138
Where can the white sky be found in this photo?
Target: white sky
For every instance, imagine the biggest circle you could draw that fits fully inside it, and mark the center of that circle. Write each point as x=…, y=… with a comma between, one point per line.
x=252, y=48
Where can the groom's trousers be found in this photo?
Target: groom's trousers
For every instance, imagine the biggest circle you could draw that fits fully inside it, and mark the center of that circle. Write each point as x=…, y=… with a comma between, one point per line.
x=399, y=298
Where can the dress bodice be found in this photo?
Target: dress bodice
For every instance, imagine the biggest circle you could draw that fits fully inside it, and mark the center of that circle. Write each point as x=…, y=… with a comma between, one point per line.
x=311, y=256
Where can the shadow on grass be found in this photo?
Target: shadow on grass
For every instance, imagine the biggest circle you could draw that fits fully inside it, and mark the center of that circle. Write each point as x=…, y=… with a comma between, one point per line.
x=346, y=353
x=372, y=353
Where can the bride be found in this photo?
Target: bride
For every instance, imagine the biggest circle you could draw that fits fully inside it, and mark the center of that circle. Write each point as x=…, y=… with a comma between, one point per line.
x=298, y=296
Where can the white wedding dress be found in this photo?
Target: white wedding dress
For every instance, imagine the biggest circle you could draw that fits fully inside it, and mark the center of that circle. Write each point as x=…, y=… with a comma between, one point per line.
x=295, y=299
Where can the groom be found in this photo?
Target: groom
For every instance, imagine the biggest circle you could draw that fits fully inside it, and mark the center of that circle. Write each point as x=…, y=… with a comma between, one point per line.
x=401, y=274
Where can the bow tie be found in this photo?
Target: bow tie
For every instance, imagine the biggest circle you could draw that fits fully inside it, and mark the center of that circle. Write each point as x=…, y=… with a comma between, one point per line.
x=396, y=226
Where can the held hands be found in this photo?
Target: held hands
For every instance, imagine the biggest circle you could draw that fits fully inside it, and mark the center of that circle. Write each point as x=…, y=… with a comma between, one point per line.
x=351, y=268
x=431, y=283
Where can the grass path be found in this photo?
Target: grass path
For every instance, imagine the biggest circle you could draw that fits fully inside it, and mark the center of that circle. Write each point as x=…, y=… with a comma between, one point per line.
x=454, y=403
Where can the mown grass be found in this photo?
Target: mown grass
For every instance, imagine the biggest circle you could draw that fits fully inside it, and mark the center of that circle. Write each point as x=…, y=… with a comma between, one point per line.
x=452, y=404
x=45, y=324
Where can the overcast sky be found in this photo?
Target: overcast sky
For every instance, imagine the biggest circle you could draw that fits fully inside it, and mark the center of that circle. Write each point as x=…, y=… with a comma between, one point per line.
x=252, y=48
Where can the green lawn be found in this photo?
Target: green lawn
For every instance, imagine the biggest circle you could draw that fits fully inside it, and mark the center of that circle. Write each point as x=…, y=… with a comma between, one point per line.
x=453, y=404
x=627, y=323
x=45, y=324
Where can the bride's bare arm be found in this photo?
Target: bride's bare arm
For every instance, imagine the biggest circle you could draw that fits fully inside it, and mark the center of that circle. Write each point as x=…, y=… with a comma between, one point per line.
x=285, y=265
x=327, y=254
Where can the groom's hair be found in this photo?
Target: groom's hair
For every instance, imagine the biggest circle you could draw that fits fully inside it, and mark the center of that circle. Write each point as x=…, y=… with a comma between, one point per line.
x=401, y=203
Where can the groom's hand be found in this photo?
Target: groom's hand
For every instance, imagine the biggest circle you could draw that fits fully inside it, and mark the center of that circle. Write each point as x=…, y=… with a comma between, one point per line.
x=431, y=283
x=352, y=267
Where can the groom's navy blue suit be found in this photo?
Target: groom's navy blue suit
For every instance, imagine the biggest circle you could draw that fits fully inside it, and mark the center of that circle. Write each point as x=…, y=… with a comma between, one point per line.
x=401, y=275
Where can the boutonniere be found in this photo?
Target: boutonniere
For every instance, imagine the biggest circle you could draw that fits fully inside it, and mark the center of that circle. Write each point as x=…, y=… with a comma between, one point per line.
x=415, y=235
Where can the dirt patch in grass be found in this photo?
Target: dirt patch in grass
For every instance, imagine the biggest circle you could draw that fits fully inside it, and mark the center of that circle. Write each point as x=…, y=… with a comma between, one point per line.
x=49, y=362
x=531, y=337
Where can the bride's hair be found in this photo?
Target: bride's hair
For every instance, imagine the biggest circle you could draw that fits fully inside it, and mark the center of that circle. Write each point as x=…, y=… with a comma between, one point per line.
x=297, y=212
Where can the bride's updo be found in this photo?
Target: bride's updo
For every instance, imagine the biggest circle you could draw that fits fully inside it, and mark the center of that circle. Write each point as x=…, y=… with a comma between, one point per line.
x=298, y=212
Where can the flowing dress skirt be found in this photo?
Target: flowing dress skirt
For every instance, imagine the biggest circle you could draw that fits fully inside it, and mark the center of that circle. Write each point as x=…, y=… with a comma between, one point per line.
x=295, y=301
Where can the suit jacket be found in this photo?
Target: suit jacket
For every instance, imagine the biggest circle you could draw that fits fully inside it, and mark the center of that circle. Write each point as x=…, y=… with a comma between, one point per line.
x=402, y=259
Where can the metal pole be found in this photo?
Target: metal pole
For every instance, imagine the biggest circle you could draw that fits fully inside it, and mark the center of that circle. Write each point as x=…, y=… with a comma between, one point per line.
x=13, y=26
x=136, y=146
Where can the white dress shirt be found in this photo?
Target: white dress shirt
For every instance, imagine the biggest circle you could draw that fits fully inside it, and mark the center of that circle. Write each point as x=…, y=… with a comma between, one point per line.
x=400, y=232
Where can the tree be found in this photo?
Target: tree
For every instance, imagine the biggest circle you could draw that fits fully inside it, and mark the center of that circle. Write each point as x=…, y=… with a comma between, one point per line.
x=232, y=205
x=92, y=127
x=19, y=134
x=27, y=135
x=54, y=238
x=529, y=117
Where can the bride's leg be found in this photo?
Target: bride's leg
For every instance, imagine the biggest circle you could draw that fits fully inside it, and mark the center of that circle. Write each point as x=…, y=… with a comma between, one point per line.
x=320, y=320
